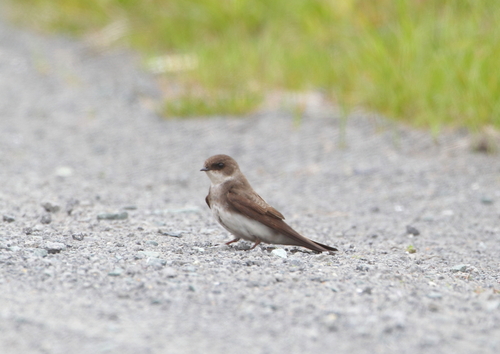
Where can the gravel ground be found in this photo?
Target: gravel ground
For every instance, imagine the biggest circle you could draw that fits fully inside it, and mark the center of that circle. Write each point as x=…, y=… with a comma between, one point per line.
x=77, y=134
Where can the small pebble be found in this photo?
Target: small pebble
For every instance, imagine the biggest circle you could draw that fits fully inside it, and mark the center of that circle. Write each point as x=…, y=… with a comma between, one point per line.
x=433, y=307
x=46, y=219
x=334, y=289
x=51, y=207
x=113, y=216
x=78, y=236
x=459, y=268
x=427, y=218
x=412, y=230
x=492, y=305
x=130, y=207
x=64, y=171
x=151, y=242
x=279, y=252
x=8, y=218
x=253, y=284
x=116, y=272
x=156, y=262
x=40, y=252
x=434, y=295
x=55, y=247
x=168, y=233
x=362, y=268
x=487, y=200
x=366, y=290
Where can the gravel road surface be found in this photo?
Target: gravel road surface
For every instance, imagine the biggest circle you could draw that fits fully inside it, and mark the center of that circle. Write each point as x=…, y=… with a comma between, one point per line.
x=416, y=221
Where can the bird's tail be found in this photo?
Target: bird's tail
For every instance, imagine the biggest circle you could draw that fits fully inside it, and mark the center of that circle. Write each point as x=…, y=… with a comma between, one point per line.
x=329, y=248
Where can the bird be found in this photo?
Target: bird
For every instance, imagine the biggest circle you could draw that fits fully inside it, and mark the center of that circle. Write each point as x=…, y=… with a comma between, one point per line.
x=242, y=212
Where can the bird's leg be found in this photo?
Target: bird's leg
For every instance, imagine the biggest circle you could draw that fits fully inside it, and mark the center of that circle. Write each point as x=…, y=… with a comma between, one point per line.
x=257, y=242
x=235, y=240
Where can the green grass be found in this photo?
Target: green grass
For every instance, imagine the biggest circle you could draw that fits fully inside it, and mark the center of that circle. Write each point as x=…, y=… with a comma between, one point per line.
x=429, y=63
x=189, y=105
x=411, y=249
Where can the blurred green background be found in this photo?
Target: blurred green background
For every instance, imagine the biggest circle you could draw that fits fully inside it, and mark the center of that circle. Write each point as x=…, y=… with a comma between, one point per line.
x=430, y=63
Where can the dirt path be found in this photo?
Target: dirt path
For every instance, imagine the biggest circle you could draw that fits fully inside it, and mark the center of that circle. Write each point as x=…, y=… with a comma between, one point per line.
x=75, y=131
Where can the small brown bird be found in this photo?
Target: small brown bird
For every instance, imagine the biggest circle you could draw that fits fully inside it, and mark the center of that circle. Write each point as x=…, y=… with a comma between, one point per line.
x=242, y=212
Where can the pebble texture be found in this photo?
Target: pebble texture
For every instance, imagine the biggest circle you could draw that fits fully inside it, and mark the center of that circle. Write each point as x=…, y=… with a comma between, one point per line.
x=80, y=148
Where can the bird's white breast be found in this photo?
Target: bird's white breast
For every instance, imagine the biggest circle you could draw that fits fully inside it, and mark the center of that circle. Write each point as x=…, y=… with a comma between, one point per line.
x=246, y=228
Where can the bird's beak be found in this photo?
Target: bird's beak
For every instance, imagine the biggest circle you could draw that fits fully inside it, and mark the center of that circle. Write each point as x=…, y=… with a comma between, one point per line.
x=205, y=169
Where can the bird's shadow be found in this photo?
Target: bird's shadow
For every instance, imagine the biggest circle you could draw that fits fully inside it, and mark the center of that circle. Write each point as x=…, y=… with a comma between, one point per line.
x=243, y=246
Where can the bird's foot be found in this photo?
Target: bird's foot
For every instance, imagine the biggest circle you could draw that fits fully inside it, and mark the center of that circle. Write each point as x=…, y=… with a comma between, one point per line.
x=255, y=244
x=235, y=240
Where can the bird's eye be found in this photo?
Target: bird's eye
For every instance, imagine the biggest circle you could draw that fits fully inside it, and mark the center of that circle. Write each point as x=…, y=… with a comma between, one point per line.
x=220, y=165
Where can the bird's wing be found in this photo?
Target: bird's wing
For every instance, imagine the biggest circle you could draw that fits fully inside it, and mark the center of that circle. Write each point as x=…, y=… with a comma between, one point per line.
x=256, y=208
x=260, y=205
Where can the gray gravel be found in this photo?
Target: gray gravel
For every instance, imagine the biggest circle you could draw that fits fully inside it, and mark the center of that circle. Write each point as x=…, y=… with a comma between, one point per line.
x=79, y=140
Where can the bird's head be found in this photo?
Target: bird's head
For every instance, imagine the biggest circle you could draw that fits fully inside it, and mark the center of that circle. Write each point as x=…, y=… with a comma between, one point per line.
x=220, y=168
